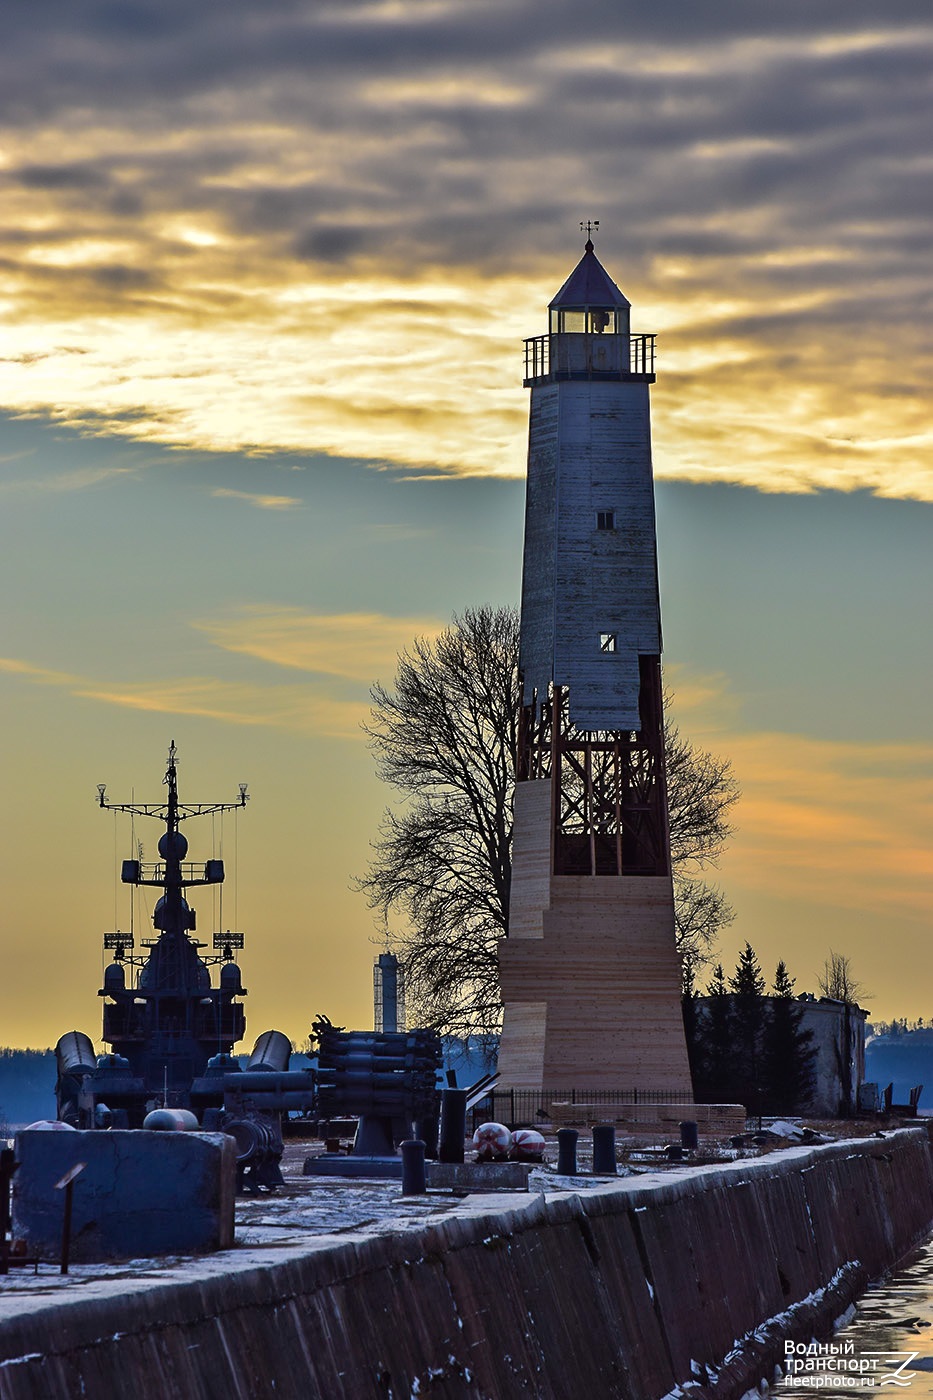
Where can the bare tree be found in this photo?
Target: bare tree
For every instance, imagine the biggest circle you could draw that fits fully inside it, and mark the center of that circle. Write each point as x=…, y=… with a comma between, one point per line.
x=837, y=981
x=445, y=736
x=701, y=792
x=700, y=911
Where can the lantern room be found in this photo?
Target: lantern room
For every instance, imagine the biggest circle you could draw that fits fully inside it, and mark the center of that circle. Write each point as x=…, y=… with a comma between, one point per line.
x=589, y=333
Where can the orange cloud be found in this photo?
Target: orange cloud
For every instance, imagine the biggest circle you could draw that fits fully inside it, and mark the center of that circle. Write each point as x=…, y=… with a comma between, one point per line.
x=260, y=502
x=355, y=646
x=835, y=823
x=301, y=708
x=829, y=823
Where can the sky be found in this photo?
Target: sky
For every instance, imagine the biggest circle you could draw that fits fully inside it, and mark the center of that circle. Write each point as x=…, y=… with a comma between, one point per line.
x=265, y=271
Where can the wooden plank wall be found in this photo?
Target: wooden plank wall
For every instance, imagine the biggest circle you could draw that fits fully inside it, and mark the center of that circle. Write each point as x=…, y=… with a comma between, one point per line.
x=536, y=653
x=598, y=952
x=589, y=451
x=605, y=580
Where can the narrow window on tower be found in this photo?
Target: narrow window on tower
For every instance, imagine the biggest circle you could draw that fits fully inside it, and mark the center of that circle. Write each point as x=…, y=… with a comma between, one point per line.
x=605, y=520
x=608, y=641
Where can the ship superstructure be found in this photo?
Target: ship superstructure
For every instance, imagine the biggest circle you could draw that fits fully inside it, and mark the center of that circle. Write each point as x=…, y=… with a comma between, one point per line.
x=170, y=1026
x=172, y=1030
x=171, y=1020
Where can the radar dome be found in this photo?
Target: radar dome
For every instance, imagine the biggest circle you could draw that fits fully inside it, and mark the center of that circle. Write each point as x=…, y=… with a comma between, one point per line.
x=173, y=843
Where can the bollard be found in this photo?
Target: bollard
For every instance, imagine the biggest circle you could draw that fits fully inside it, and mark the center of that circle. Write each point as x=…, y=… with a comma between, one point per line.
x=453, y=1125
x=567, y=1151
x=413, y=1178
x=67, y=1184
x=427, y=1130
x=604, y=1149
x=689, y=1136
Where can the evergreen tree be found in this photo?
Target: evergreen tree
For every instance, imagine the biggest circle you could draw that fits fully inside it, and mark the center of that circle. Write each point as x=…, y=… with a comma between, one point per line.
x=692, y=1029
x=787, y=1052
x=747, y=985
x=712, y=1053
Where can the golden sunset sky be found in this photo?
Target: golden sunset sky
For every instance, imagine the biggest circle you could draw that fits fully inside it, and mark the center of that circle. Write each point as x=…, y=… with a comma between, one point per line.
x=265, y=271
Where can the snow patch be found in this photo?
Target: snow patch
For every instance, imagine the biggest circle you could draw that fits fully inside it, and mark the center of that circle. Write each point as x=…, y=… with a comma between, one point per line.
x=845, y=1318
x=785, y=1128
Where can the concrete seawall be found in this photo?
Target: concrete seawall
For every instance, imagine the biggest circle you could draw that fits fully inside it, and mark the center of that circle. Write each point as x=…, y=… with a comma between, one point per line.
x=626, y=1289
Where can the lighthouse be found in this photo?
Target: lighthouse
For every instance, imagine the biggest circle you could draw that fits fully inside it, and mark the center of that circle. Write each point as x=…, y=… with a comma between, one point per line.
x=590, y=974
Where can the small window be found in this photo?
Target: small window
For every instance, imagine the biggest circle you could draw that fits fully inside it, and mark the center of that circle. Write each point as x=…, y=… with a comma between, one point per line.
x=603, y=320
x=608, y=641
x=605, y=520
x=573, y=321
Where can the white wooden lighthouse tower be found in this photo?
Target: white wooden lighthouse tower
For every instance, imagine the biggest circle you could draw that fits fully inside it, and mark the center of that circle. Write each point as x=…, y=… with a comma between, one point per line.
x=590, y=974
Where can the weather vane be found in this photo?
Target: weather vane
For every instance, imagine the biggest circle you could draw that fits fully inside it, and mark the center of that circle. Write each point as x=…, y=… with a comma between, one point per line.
x=589, y=227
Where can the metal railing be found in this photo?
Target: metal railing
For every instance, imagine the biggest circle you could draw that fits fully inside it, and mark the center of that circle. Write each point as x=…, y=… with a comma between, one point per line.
x=537, y=356
x=532, y=1106
x=642, y=354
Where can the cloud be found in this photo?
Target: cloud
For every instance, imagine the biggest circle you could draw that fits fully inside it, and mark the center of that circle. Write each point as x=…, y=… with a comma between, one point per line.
x=321, y=227
x=299, y=708
x=832, y=824
x=261, y=502
x=43, y=676
x=844, y=825
x=75, y=479
x=705, y=704
x=296, y=708
x=355, y=646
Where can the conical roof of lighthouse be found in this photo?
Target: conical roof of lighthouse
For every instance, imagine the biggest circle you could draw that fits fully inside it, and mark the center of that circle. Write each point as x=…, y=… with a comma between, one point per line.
x=589, y=285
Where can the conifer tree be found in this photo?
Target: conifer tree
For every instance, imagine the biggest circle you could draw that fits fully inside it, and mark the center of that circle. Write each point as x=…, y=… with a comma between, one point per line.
x=692, y=1027
x=747, y=985
x=788, y=1054
x=712, y=1053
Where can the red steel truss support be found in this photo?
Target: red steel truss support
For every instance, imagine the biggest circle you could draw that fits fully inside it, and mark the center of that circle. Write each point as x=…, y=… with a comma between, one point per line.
x=608, y=794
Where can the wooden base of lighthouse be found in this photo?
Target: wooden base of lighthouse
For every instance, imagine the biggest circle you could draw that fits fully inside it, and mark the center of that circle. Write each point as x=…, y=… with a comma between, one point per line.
x=590, y=975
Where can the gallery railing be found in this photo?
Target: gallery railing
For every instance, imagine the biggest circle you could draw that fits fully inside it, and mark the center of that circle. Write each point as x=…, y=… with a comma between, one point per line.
x=538, y=357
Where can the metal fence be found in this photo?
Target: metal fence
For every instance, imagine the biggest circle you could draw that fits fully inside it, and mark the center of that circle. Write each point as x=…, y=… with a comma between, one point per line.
x=533, y=1106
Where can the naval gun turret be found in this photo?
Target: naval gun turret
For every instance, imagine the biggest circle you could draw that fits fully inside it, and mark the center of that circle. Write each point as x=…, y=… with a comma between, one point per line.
x=169, y=1026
